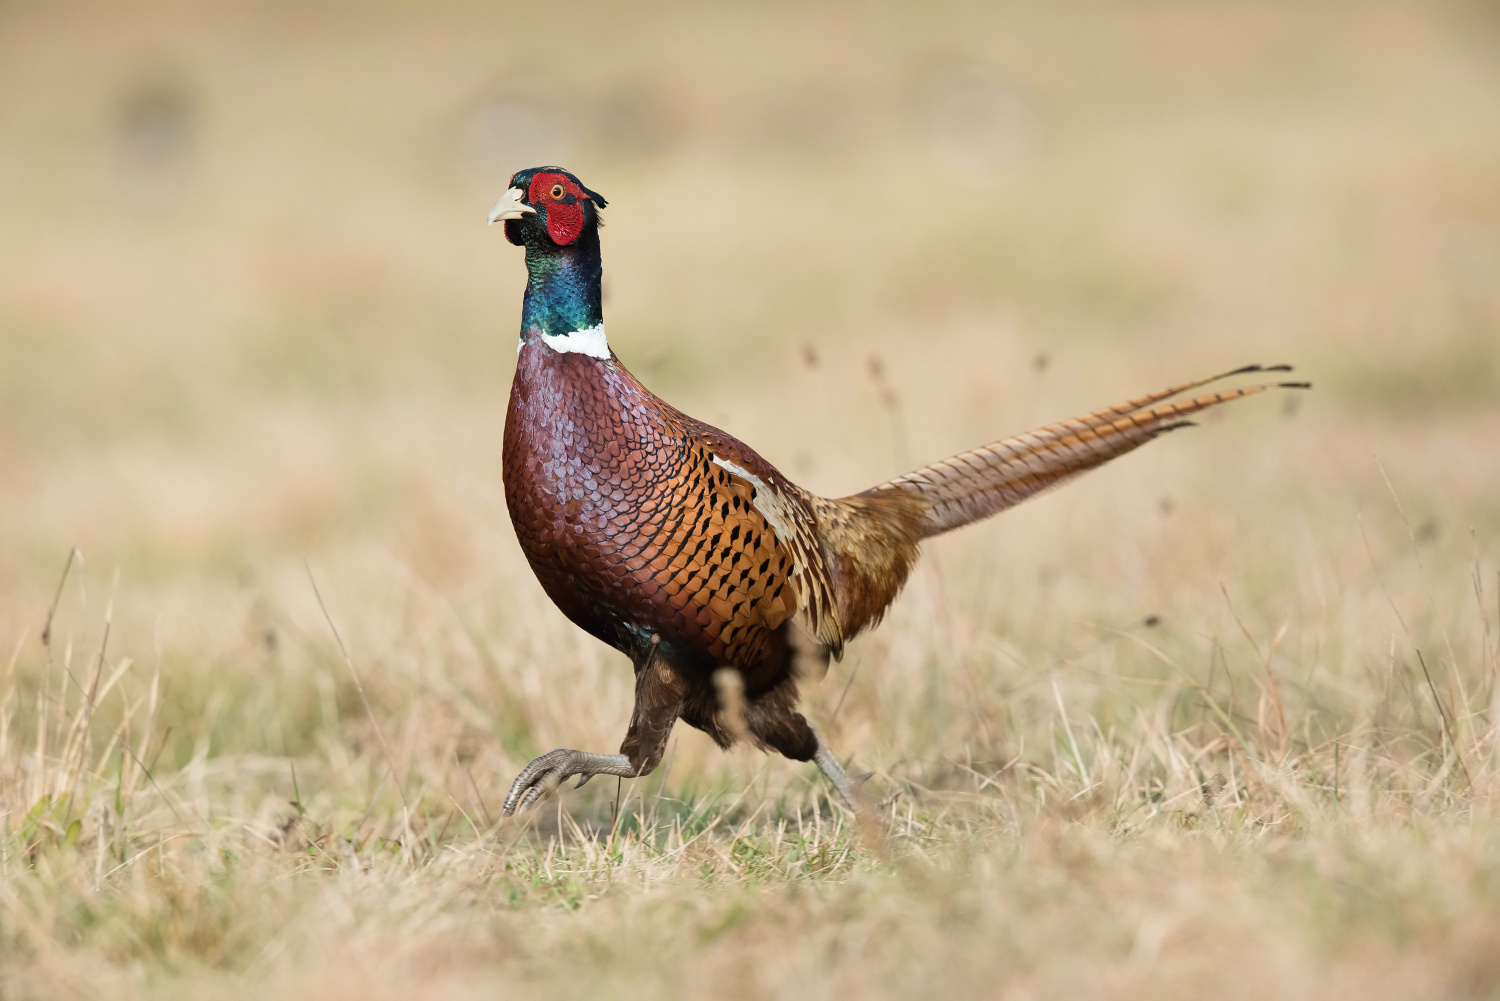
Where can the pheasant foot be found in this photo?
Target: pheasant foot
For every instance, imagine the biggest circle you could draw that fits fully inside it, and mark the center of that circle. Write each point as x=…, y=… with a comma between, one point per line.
x=547, y=772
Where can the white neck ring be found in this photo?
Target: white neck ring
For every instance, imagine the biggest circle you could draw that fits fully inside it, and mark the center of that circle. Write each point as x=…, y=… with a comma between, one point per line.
x=589, y=342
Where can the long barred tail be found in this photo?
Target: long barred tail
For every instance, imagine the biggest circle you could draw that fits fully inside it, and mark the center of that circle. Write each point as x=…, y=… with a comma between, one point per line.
x=986, y=480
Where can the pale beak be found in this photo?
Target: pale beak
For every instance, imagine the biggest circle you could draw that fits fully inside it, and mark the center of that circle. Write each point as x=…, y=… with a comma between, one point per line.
x=510, y=206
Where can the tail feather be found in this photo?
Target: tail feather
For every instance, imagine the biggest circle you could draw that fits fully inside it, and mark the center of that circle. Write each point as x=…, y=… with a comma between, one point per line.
x=1109, y=414
x=986, y=480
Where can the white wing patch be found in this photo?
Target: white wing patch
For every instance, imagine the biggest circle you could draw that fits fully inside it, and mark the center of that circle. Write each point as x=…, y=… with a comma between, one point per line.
x=809, y=576
x=765, y=497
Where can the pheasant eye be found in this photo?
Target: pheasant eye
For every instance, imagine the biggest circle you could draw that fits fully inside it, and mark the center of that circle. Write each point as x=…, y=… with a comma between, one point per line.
x=557, y=192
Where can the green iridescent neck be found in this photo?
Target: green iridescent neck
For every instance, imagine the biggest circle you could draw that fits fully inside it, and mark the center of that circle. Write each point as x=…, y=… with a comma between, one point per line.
x=563, y=286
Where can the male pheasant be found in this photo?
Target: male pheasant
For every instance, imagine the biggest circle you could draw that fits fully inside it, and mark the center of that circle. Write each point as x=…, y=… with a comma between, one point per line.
x=684, y=549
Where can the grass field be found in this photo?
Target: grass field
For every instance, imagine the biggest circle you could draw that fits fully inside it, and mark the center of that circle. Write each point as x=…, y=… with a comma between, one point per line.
x=1219, y=720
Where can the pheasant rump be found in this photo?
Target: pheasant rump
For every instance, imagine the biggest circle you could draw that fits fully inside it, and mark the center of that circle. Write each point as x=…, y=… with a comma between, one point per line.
x=681, y=547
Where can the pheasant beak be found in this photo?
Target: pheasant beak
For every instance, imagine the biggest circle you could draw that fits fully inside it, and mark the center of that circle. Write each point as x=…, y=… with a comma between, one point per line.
x=510, y=206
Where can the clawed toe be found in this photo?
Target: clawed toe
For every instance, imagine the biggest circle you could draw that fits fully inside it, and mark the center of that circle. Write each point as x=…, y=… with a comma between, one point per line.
x=542, y=775
x=552, y=769
x=530, y=796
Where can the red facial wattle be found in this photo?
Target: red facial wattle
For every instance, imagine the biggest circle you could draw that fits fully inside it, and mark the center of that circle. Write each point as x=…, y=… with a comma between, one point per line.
x=564, y=214
x=564, y=223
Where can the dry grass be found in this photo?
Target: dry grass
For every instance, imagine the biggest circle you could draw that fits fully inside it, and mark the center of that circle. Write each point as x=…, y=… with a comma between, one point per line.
x=1219, y=720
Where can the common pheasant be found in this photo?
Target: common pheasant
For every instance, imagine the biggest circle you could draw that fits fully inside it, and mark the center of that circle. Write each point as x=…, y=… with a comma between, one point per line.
x=681, y=547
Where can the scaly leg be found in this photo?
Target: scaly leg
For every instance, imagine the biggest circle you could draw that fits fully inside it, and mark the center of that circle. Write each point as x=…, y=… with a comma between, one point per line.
x=834, y=772
x=659, y=693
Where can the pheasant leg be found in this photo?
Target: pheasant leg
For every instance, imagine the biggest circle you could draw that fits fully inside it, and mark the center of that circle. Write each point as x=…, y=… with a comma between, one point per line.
x=834, y=772
x=774, y=722
x=659, y=693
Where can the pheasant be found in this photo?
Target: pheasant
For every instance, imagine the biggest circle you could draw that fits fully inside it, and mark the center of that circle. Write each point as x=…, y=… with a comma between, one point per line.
x=679, y=546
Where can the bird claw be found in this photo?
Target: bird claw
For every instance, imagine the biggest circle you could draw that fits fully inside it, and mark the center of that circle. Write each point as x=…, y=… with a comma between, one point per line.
x=543, y=775
x=552, y=769
x=531, y=796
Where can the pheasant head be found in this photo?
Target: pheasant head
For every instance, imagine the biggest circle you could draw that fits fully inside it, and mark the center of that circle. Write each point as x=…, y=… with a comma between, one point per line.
x=550, y=213
x=546, y=205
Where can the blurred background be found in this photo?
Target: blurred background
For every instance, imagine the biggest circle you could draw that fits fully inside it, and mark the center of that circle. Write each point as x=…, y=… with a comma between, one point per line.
x=252, y=325
x=250, y=313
